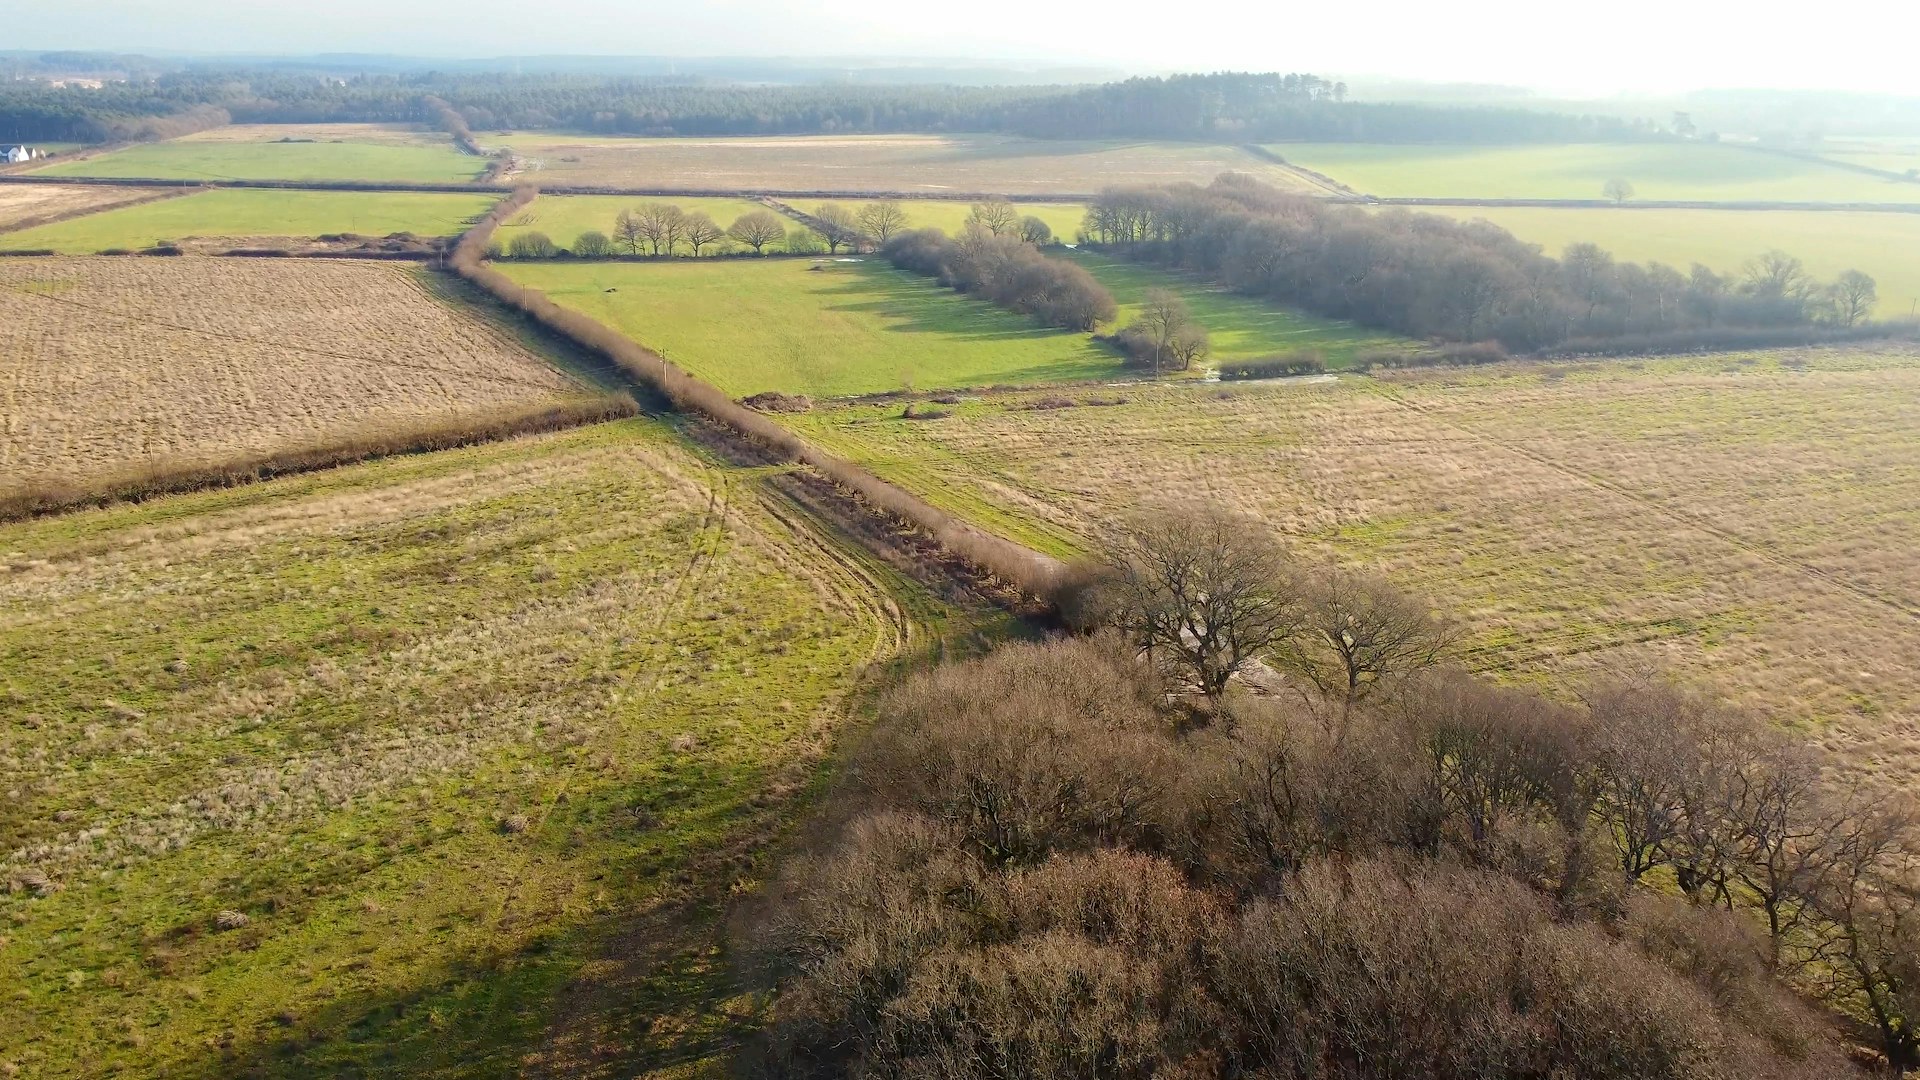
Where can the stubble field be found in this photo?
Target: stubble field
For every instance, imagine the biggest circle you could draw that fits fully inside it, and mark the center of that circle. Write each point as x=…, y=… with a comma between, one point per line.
x=877, y=163
x=1665, y=171
x=468, y=747
x=288, y=152
x=1742, y=521
x=120, y=366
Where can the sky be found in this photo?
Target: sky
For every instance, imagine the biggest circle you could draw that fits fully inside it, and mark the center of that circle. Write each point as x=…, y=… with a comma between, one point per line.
x=1655, y=46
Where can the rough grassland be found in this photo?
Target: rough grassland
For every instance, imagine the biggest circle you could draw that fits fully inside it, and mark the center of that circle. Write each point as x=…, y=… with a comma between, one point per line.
x=1239, y=327
x=270, y=160
x=476, y=742
x=1681, y=171
x=893, y=163
x=20, y=202
x=1743, y=523
x=244, y=215
x=565, y=217
x=115, y=365
x=1884, y=245
x=374, y=134
x=849, y=327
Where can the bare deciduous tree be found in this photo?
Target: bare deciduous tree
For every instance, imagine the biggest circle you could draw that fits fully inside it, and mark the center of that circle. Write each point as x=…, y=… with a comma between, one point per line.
x=1035, y=231
x=757, y=229
x=662, y=225
x=1161, y=321
x=997, y=216
x=881, y=219
x=1360, y=636
x=1204, y=591
x=699, y=230
x=592, y=244
x=1853, y=294
x=1617, y=189
x=1865, y=888
x=628, y=231
x=836, y=225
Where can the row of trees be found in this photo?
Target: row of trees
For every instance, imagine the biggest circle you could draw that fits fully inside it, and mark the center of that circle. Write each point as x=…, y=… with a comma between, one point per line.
x=663, y=229
x=1431, y=277
x=1005, y=268
x=1053, y=862
x=1244, y=107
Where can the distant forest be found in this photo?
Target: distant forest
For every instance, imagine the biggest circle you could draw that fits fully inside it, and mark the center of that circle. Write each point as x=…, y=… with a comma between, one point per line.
x=1228, y=107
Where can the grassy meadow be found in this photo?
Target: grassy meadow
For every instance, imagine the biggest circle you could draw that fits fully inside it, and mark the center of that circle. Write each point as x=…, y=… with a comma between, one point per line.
x=904, y=164
x=244, y=214
x=467, y=746
x=818, y=327
x=1661, y=171
x=1884, y=245
x=273, y=160
x=1239, y=327
x=1739, y=520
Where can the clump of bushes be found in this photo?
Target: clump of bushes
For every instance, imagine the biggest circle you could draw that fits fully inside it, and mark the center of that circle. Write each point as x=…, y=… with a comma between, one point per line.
x=772, y=401
x=1097, y=857
x=1275, y=367
x=921, y=412
x=1006, y=270
x=1464, y=355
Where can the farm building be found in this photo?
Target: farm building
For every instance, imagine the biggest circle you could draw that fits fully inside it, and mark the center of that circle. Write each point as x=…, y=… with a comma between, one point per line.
x=14, y=155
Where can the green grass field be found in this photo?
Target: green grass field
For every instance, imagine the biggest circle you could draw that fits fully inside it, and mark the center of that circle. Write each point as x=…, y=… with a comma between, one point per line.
x=475, y=741
x=1678, y=171
x=850, y=328
x=1239, y=327
x=1884, y=245
x=950, y=216
x=210, y=160
x=564, y=217
x=247, y=213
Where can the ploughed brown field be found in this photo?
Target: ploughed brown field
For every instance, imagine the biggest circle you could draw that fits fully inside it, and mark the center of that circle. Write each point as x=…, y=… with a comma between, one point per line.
x=111, y=367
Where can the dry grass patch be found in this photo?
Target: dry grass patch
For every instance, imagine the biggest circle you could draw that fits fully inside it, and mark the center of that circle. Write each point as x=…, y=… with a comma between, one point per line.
x=114, y=366
x=931, y=164
x=1748, y=528
x=22, y=205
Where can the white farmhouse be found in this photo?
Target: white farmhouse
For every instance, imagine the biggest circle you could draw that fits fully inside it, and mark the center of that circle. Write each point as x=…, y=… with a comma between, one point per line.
x=14, y=155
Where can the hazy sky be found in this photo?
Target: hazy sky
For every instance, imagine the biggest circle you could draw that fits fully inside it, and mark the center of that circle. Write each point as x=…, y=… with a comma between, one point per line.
x=1580, y=47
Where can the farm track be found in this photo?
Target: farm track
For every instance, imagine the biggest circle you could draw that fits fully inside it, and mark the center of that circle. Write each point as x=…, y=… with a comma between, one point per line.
x=1757, y=550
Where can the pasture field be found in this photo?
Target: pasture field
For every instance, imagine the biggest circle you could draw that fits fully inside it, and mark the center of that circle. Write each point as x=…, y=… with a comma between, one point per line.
x=820, y=327
x=1744, y=521
x=1239, y=327
x=878, y=163
x=950, y=215
x=113, y=367
x=1884, y=245
x=248, y=215
x=23, y=203
x=363, y=134
x=1895, y=154
x=472, y=743
x=565, y=217
x=224, y=157
x=1659, y=171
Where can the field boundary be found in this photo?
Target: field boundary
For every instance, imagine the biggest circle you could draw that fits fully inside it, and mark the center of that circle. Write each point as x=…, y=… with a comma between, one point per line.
x=41, y=500
x=1032, y=573
x=1317, y=179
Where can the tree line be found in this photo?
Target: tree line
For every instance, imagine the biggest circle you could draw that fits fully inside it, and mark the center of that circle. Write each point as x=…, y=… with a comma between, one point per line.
x=1103, y=857
x=1227, y=106
x=1426, y=276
